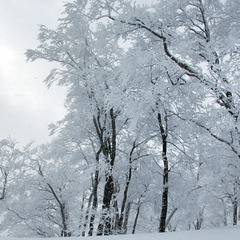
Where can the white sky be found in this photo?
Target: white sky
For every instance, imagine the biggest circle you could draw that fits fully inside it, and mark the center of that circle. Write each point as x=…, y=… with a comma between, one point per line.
x=27, y=107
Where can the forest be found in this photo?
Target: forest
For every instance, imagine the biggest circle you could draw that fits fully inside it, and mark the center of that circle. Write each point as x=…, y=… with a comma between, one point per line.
x=151, y=138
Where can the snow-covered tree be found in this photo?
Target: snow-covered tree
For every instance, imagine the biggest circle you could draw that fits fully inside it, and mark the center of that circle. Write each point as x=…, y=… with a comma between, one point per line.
x=151, y=136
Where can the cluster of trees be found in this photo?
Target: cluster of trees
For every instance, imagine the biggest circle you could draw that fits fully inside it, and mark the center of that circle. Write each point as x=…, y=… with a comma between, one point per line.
x=150, y=141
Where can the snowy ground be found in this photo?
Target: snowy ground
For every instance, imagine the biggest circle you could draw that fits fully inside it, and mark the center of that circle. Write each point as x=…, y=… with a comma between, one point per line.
x=229, y=233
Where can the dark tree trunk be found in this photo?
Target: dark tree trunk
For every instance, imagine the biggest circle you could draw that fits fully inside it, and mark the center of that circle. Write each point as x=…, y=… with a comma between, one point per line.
x=120, y=223
x=139, y=204
x=170, y=216
x=235, y=206
x=105, y=226
x=235, y=212
x=162, y=224
x=109, y=150
x=91, y=224
x=95, y=203
x=4, y=189
x=136, y=217
x=95, y=195
x=163, y=216
x=87, y=215
x=65, y=232
x=81, y=216
x=125, y=194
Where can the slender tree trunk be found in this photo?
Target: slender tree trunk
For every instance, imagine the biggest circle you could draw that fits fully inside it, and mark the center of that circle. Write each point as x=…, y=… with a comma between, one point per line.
x=125, y=223
x=235, y=206
x=120, y=224
x=4, y=188
x=129, y=177
x=139, y=204
x=81, y=216
x=225, y=217
x=235, y=211
x=116, y=219
x=163, y=216
x=170, y=216
x=162, y=224
x=87, y=215
x=65, y=232
x=95, y=196
x=136, y=217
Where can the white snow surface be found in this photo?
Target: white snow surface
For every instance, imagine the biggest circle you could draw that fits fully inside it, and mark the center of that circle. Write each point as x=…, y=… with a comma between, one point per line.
x=228, y=233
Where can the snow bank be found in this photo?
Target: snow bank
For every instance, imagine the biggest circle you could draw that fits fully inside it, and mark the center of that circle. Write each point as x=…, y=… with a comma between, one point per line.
x=231, y=233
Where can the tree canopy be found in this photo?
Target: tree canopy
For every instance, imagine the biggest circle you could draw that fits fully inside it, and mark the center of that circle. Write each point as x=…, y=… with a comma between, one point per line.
x=150, y=141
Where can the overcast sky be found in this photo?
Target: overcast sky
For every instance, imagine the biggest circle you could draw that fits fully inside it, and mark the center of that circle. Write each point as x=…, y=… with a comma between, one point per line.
x=27, y=107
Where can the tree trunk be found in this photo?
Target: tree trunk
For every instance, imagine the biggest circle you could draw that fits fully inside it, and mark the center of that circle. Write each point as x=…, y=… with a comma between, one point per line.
x=235, y=205
x=125, y=223
x=108, y=144
x=162, y=224
x=104, y=226
x=120, y=224
x=198, y=223
x=235, y=212
x=225, y=217
x=136, y=217
x=87, y=215
x=81, y=216
x=116, y=217
x=4, y=189
x=65, y=232
x=129, y=177
x=163, y=216
x=170, y=216
x=95, y=199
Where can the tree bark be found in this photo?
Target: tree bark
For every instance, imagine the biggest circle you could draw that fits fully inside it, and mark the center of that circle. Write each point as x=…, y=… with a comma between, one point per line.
x=109, y=151
x=170, y=216
x=4, y=189
x=163, y=216
x=87, y=216
x=136, y=217
x=104, y=226
x=95, y=195
x=125, y=194
x=235, y=212
x=125, y=223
